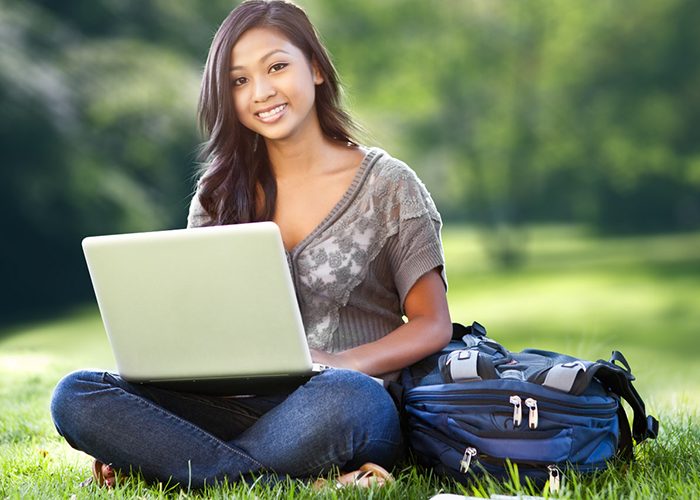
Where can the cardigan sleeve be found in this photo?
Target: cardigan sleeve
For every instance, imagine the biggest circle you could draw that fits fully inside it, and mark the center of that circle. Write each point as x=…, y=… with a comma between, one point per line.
x=418, y=251
x=417, y=246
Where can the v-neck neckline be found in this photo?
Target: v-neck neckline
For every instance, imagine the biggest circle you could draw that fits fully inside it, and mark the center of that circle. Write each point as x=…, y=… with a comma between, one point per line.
x=344, y=201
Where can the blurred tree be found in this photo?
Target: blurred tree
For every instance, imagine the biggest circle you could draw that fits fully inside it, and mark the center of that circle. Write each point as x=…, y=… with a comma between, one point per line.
x=545, y=110
x=98, y=104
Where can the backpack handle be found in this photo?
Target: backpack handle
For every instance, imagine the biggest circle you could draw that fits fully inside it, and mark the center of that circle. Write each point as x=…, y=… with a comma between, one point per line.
x=619, y=381
x=459, y=330
x=617, y=356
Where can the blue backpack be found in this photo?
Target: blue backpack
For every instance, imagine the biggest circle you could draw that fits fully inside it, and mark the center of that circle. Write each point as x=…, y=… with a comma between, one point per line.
x=477, y=408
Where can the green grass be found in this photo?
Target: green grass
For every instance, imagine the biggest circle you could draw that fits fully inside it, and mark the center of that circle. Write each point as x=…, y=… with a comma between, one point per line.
x=587, y=297
x=575, y=293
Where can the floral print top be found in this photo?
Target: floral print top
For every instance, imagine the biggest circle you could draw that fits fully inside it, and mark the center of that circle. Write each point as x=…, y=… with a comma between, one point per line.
x=353, y=271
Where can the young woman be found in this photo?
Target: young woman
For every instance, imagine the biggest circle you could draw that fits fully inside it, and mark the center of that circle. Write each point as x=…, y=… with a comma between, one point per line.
x=363, y=241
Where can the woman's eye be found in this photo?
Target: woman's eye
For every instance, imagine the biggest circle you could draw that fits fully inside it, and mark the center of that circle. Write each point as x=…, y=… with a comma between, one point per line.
x=237, y=82
x=277, y=67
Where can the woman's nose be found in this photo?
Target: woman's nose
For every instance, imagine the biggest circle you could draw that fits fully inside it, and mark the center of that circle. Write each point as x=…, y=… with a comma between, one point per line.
x=263, y=90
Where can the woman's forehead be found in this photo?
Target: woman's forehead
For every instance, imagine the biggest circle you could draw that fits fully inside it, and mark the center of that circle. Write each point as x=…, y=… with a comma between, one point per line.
x=257, y=45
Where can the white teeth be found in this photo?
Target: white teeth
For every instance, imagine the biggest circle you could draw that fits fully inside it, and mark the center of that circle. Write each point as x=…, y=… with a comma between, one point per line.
x=267, y=114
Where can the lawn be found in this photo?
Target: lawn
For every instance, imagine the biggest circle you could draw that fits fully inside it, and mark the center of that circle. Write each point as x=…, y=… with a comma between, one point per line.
x=587, y=297
x=575, y=293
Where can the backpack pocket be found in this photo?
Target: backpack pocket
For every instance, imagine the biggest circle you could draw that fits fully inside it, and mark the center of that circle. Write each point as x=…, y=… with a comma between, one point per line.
x=519, y=420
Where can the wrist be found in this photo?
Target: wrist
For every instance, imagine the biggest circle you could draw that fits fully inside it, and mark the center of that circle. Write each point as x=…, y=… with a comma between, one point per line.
x=349, y=361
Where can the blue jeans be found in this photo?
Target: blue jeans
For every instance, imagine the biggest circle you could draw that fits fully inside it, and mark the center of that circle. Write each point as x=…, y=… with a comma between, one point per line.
x=339, y=418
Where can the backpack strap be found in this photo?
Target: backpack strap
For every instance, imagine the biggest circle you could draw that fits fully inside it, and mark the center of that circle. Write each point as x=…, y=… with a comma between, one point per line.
x=562, y=376
x=625, y=443
x=575, y=376
x=619, y=381
x=463, y=366
x=466, y=365
x=474, y=362
x=617, y=356
x=459, y=330
x=474, y=337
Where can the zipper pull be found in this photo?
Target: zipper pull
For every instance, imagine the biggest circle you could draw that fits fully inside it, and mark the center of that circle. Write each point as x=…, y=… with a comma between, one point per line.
x=534, y=419
x=554, y=479
x=517, y=411
x=467, y=460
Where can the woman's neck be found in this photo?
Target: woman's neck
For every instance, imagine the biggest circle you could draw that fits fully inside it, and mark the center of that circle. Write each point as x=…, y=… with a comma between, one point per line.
x=304, y=157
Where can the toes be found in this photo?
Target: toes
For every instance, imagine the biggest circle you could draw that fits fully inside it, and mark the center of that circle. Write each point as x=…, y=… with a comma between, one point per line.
x=103, y=474
x=366, y=480
x=107, y=471
x=369, y=475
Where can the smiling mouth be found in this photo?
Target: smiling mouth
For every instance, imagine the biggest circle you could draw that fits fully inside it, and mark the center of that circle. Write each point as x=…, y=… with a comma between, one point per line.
x=272, y=112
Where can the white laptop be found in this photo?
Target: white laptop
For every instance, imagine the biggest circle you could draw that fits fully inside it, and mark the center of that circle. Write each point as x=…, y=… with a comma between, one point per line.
x=210, y=310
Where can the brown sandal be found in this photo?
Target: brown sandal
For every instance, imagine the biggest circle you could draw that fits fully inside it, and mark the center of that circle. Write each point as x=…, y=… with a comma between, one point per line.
x=98, y=477
x=368, y=475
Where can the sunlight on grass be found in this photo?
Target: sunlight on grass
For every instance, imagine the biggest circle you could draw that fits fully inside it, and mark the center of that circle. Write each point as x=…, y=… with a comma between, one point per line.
x=587, y=297
x=73, y=341
x=24, y=364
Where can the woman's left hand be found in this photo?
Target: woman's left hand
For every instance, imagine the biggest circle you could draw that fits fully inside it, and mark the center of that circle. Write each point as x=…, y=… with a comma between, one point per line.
x=341, y=360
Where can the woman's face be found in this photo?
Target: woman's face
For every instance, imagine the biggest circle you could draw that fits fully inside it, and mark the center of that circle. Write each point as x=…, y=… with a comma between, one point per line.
x=273, y=86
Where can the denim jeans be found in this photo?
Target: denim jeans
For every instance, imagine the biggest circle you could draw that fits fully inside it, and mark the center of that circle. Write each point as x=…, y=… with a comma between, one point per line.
x=339, y=418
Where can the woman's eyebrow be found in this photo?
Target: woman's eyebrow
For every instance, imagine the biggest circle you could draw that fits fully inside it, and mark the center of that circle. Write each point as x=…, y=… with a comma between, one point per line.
x=262, y=59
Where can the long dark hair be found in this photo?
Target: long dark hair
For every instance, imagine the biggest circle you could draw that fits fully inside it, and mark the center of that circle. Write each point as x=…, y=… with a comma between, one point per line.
x=237, y=165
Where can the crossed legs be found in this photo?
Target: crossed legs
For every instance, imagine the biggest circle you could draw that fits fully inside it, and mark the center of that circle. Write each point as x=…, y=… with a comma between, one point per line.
x=340, y=418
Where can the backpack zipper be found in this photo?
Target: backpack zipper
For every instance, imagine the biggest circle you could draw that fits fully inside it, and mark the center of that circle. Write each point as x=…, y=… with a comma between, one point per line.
x=471, y=454
x=554, y=479
x=466, y=461
x=517, y=410
x=533, y=417
x=457, y=398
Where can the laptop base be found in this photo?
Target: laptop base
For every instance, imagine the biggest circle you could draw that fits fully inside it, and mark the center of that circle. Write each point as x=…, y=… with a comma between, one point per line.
x=258, y=385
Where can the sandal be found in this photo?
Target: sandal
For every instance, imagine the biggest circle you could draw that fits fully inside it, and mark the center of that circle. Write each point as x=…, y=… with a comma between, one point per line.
x=368, y=475
x=98, y=476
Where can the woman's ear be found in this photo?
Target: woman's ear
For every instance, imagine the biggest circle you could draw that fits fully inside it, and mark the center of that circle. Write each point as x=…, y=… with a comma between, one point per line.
x=318, y=76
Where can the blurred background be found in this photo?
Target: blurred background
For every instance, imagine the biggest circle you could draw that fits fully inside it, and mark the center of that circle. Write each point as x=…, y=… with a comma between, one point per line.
x=560, y=140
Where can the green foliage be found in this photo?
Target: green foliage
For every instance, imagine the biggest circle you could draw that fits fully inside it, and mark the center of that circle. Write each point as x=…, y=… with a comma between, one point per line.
x=98, y=133
x=536, y=110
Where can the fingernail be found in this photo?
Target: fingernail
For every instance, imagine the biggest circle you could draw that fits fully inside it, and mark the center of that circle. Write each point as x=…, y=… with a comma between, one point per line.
x=107, y=469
